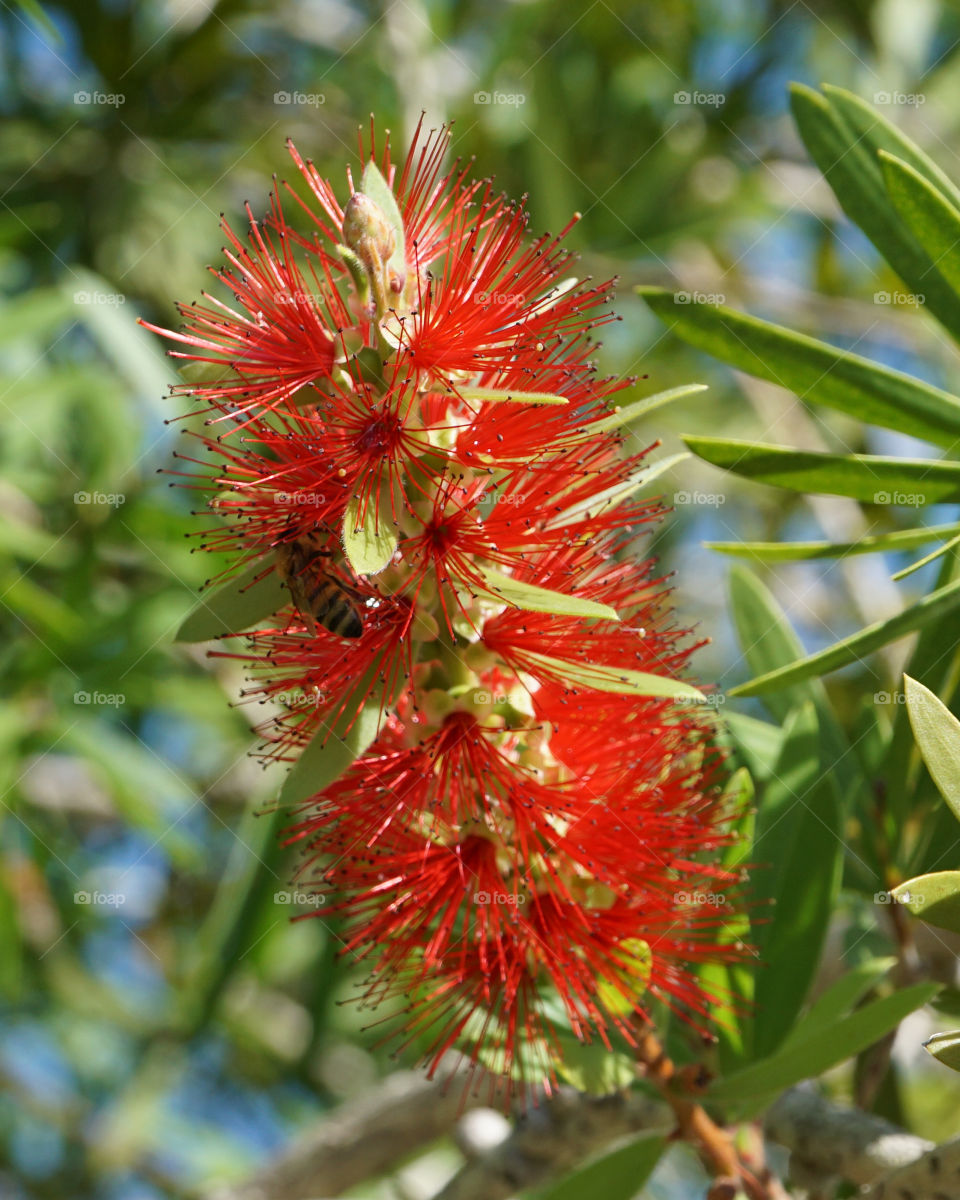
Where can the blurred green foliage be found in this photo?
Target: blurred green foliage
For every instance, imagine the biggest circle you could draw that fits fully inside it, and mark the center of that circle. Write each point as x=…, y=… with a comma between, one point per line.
x=164, y=1023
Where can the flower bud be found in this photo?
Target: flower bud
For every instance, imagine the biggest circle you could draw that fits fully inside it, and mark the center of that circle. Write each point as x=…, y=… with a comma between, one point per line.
x=365, y=227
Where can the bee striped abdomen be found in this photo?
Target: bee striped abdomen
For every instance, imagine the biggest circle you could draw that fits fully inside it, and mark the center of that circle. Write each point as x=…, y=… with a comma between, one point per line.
x=320, y=597
x=334, y=609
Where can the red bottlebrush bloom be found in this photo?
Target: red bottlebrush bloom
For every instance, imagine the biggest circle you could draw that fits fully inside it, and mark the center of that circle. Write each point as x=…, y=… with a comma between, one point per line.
x=498, y=772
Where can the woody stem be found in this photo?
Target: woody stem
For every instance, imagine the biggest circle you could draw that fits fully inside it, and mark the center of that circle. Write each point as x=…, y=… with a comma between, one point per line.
x=695, y=1125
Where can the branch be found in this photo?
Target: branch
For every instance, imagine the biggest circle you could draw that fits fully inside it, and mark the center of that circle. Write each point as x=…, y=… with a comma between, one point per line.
x=554, y=1137
x=826, y=1142
x=933, y=1176
x=360, y=1140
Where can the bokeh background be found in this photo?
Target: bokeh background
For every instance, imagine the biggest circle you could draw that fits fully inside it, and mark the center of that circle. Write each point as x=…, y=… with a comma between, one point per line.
x=164, y=1025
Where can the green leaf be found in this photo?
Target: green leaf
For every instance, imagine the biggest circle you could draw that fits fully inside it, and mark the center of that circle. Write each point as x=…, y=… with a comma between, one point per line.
x=765, y=635
x=368, y=542
x=900, y=539
x=618, y=1175
x=810, y=1056
x=236, y=605
x=937, y=732
x=374, y=185
x=620, y=680
x=927, y=558
x=230, y=923
x=594, y=1068
x=612, y=496
x=35, y=11
x=929, y=665
x=798, y=856
x=335, y=747
x=817, y=372
x=840, y=997
x=930, y=216
x=768, y=643
x=854, y=648
x=757, y=742
x=537, y=599
x=934, y=898
x=882, y=134
x=641, y=408
x=945, y=1048
x=871, y=478
x=851, y=166
x=485, y=395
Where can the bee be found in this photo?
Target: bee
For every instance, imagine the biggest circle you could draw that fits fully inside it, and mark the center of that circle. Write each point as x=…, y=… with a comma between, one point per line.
x=320, y=596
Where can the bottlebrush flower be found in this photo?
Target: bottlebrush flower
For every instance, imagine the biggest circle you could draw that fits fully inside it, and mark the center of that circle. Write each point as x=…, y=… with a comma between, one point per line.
x=498, y=772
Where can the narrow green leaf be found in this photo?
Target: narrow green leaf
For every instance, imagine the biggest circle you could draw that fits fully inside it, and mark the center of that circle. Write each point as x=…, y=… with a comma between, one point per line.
x=900, y=539
x=765, y=635
x=927, y=558
x=36, y=12
x=934, y=898
x=839, y=998
x=913, y=482
x=817, y=372
x=251, y=876
x=851, y=166
x=612, y=496
x=374, y=185
x=236, y=605
x=618, y=1175
x=852, y=649
x=617, y=679
x=757, y=742
x=485, y=395
x=882, y=134
x=930, y=666
x=537, y=599
x=811, y=1056
x=937, y=732
x=335, y=748
x=798, y=840
x=368, y=541
x=945, y=1048
x=641, y=408
x=930, y=216
x=769, y=642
